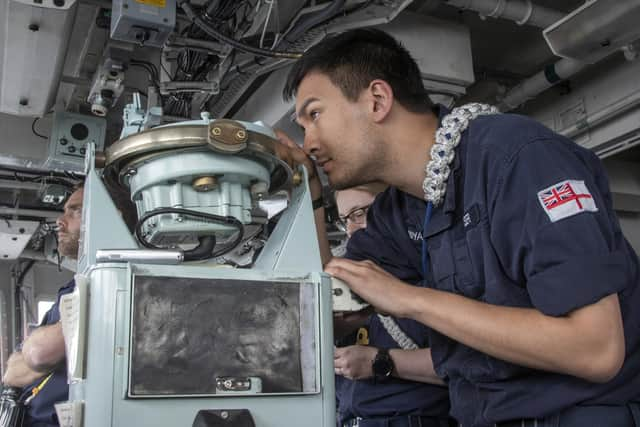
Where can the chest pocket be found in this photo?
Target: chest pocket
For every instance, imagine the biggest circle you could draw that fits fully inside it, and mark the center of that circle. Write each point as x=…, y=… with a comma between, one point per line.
x=457, y=261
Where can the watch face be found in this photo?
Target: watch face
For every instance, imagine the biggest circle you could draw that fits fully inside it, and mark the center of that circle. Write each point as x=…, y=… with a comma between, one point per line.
x=382, y=365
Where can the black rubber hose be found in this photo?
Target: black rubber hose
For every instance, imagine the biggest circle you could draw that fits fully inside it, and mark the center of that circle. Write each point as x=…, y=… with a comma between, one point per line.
x=202, y=251
x=204, y=26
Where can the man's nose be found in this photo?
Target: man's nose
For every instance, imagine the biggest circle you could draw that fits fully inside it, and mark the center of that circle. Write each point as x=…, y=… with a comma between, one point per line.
x=352, y=227
x=310, y=145
x=60, y=221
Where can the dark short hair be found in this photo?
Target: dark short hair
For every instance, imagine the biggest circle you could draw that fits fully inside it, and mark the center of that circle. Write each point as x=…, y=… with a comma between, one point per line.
x=354, y=58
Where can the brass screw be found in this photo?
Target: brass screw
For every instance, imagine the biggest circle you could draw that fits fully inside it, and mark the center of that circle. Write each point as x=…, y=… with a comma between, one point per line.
x=204, y=183
x=216, y=131
x=296, y=178
x=241, y=135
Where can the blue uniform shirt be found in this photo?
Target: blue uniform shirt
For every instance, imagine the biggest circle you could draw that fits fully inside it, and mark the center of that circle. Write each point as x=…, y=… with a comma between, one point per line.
x=527, y=221
x=395, y=397
x=41, y=412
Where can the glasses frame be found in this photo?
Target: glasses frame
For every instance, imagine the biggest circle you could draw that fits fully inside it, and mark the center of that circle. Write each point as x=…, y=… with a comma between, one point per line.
x=356, y=216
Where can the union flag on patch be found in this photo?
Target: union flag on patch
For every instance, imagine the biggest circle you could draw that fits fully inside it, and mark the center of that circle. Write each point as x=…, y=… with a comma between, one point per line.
x=565, y=199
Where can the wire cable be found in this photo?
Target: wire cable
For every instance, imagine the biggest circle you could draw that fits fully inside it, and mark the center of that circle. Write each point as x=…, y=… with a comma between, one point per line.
x=35, y=132
x=204, y=26
x=225, y=220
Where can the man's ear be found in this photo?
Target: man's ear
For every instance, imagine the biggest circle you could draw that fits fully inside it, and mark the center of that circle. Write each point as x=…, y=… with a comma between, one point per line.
x=381, y=99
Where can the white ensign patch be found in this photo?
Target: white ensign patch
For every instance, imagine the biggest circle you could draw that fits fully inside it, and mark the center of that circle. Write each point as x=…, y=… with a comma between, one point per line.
x=565, y=199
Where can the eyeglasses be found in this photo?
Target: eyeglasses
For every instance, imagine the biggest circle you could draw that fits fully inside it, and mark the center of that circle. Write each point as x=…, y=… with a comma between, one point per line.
x=356, y=216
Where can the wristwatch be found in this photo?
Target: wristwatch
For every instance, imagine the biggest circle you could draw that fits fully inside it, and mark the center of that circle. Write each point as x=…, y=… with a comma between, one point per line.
x=382, y=365
x=317, y=203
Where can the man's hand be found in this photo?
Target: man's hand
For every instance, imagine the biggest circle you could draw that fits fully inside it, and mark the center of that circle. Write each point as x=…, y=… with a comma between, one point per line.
x=373, y=284
x=354, y=362
x=294, y=154
x=18, y=373
x=291, y=153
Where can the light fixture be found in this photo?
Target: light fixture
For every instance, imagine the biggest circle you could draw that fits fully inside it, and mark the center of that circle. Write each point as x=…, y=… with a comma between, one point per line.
x=595, y=29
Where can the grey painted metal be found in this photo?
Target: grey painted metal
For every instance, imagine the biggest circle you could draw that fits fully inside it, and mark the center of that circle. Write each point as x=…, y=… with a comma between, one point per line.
x=105, y=387
x=29, y=212
x=601, y=112
x=4, y=331
x=603, y=115
x=295, y=257
x=146, y=23
x=520, y=11
x=102, y=225
x=293, y=242
x=50, y=4
x=625, y=184
x=31, y=61
x=69, y=137
x=6, y=183
x=14, y=237
x=595, y=29
x=150, y=184
x=579, y=38
x=34, y=255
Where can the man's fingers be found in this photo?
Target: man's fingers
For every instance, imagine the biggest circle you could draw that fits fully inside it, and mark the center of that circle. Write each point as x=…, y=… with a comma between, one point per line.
x=347, y=270
x=284, y=138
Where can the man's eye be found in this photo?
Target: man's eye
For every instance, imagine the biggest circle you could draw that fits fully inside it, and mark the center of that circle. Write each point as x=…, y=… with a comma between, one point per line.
x=314, y=115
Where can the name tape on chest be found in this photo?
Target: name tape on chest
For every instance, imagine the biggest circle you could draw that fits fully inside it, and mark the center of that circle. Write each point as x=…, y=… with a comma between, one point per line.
x=565, y=199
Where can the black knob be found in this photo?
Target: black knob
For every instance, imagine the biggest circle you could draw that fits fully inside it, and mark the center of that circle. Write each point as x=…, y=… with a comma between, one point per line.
x=63, y=141
x=71, y=149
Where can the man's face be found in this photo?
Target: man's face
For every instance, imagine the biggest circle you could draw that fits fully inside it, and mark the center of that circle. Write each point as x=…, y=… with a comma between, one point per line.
x=352, y=208
x=69, y=226
x=339, y=133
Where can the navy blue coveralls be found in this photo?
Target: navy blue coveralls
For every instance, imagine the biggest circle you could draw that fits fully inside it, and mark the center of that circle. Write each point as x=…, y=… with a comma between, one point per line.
x=527, y=221
x=41, y=412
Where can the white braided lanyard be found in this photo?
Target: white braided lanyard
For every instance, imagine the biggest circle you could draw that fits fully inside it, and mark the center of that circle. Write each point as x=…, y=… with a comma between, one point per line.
x=447, y=138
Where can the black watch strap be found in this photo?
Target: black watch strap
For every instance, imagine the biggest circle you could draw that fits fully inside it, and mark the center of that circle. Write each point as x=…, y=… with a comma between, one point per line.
x=382, y=366
x=317, y=203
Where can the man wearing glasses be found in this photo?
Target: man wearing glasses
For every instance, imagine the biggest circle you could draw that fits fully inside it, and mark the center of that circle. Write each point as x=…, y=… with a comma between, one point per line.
x=379, y=367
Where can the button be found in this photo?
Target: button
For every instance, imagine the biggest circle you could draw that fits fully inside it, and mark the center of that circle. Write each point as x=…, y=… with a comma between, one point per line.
x=63, y=141
x=71, y=149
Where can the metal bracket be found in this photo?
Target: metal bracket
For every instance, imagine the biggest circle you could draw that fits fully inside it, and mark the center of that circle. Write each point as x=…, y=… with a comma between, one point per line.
x=223, y=418
x=227, y=136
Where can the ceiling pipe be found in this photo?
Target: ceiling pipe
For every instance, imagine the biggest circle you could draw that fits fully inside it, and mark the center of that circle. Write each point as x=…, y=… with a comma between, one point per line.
x=522, y=12
x=612, y=110
x=533, y=86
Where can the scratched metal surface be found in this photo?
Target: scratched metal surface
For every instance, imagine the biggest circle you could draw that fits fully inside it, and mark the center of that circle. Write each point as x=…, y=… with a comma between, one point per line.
x=187, y=332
